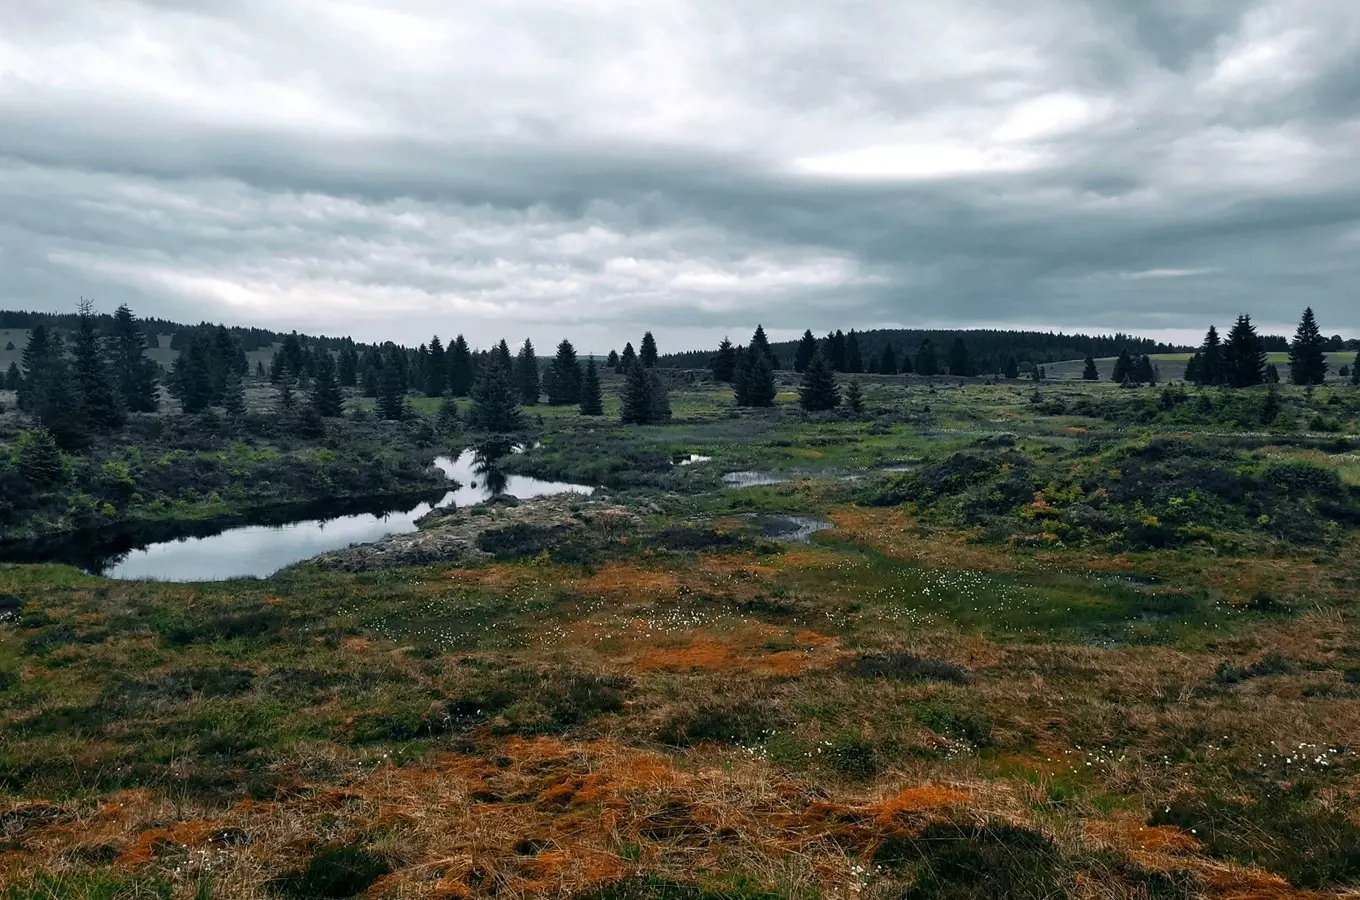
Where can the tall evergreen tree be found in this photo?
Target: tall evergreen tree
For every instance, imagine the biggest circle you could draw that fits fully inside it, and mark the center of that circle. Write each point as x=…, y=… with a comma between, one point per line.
x=37, y=456
x=1355, y=370
x=191, y=378
x=819, y=391
x=907, y=365
x=47, y=392
x=647, y=354
x=527, y=381
x=1143, y=373
x=1194, y=368
x=436, y=369
x=502, y=350
x=565, y=384
x=887, y=361
x=1211, y=368
x=347, y=367
x=446, y=420
x=370, y=372
x=1089, y=372
x=926, y=362
x=755, y=380
x=724, y=363
x=1272, y=374
x=854, y=397
x=1123, y=368
x=592, y=401
x=661, y=398
x=287, y=399
x=1244, y=360
x=638, y=406
x=134, y=375
x=493, y=399
x=854, y=358
x=628, y=359
x=1307, y=356
x=99, y=402
x=833, y=348
x=234, y=395
x=391, y=390
x=612, y=361
x=328, y=399
x=13, y=377
x=807, y=348
x=960, y=360
x=460, y=367
x=761, y=344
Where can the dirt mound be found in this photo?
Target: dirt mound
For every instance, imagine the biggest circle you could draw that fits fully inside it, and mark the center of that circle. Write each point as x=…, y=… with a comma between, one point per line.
x=484, y=532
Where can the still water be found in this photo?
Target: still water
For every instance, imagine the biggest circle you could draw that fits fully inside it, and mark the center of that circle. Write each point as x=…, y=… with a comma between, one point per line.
x=255, y=551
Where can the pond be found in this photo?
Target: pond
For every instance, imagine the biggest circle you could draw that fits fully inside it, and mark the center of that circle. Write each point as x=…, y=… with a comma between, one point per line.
x=278, y=539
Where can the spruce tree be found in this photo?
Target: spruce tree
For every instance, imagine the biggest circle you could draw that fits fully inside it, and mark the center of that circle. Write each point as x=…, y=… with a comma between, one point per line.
x=638, y=406
x=926, y=362
x=436, y=369
x=1271, y=406
x=854, y=398
x=612, y=361
x=1272, y=375
x=37, y=353
x=1089, y=372
x=328, y=399
x=1142, y=371
x=887, y=361
x=191, y=378
x=834, y=350
x=807, y=348
x=1355, y=370
x=908, y=367
x=628, y=359
x=527, y=381
x=37, y=456
x=391, y=392
x=1307, y=356
x=134, y=375
x=287, y=399
x=13, y=377
x=493, y=399
x=347, y=368
x=1211, y=368
x=1123, y=368
x=460, y=367
x=647, y=355
x=723, y=365
x=564, y=388
x=755, y=381
x=99, y=402
x=761, y=344
x=960, y=360
x=661, y=399
x=234, y=395
x=592, y=401
x=446, y=420
x=819, y=391
x=854, y=357
x=1244, y=361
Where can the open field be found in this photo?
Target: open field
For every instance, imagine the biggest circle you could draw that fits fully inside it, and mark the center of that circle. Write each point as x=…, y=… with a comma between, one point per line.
x=1063, y=640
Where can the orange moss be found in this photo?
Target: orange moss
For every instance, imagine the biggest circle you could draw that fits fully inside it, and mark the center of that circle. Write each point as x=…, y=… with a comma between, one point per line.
x=699, y=654
x=925, y=798
x=635, y=581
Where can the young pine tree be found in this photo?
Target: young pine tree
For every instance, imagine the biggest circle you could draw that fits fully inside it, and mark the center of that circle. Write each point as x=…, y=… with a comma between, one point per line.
x=1272, y=375
x=446, y=420
x=1244, y=360
x=287, y=399
x=1089, y=372
x=628, y=359
x=807, y=348
x=391, y=392
x=1123, y=368
x=564, y=388
x=819, y=391
x=1143, y=373
x=592, y=401
x=234, y=395
x=13, y=377
x=661, y=398
x=648, y=355
x=527, y=381
x=328, y=398
x=37, y=456
x=1307, y=356
x=723, y=365
x=494, y=406
x=99, y=402
x=638, y=402
x=612, y=362
x=134, y=375
x=755, y=380
x=854, y=398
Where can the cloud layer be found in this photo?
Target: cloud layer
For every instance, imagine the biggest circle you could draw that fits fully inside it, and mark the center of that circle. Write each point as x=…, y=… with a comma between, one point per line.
x=595, y=168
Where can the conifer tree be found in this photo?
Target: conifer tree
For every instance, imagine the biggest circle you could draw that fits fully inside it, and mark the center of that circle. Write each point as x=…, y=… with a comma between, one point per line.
x=755, y=380
x=854, y=398
x=287, y=399
x=1211, y=368
x=234, y=395
x=1355, y=370
x=460, y=367
x=834, y=350
x=347, y=367
x=1143, y=372
x=328, y=399
x=647, y=355
x=592, y=401
x=37, y=456
x=436, y=369
x=854, y=357
x=502, y=351
x=13, y=377
x=1307, y=356
x=493, y=399
x=724, y=363
x=908, y=367
x=1123, y=368
x=99, y=403
x=761, y=344
x=661, y=399
x=1089, y=372
x=370, y=372
x=628, y=359
x=1272, y=375
x=807, y=348
x=960, y=360
x=446, y=420
x=391, y=391
x=926, y=362
x=191, y=376
x=564, y=388
x=134, y=375
x=612, y=361
x=1271, y=406
x=527, y=381
x=887, y=361
x=1244, y=360
x=819, y=391
x=638, y=402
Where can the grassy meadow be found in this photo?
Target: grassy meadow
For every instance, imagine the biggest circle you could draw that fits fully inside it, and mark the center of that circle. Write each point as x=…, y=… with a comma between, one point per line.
x=1059, y=640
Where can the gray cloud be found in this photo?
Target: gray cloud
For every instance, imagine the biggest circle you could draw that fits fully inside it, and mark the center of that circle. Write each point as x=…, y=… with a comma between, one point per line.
x=592, y=169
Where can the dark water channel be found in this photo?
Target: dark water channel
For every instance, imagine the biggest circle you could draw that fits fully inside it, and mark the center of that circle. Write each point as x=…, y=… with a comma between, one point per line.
x=269, y=541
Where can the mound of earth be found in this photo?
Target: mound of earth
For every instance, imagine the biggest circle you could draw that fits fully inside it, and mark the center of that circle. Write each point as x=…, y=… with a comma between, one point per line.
x=493, y=530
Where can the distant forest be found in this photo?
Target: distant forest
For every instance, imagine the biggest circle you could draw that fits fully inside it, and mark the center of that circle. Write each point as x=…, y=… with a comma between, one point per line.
x=180, y=334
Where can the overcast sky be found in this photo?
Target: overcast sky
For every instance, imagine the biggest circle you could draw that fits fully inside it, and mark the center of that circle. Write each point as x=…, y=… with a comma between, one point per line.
x=593, y=168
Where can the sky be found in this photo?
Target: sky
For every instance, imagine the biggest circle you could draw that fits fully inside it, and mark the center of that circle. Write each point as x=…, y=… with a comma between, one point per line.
x=594, y=168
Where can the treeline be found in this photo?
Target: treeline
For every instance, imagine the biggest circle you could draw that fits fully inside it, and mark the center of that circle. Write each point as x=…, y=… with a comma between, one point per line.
x=1241, y=361
x=181, y=335
x=988, y=348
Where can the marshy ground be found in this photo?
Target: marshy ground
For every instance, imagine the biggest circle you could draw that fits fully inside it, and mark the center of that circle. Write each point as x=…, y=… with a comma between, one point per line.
x=1061, y=640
